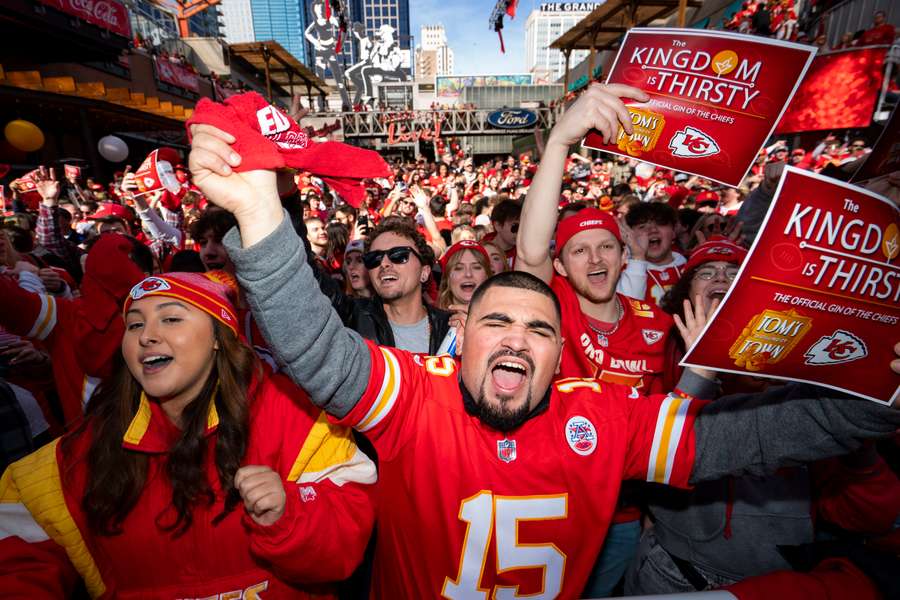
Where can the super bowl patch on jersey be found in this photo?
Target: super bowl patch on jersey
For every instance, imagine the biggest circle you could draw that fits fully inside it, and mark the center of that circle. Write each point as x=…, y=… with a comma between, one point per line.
x=581, y=436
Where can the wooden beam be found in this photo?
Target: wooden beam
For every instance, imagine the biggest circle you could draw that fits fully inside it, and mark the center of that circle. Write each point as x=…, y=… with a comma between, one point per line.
x=682, y=9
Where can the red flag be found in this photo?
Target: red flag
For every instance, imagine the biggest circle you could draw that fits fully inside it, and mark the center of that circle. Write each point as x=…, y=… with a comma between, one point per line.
x=511, y=8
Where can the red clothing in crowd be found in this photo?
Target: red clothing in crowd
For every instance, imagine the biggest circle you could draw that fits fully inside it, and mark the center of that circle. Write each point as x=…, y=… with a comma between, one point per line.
x=634, y=354
x=320, y=537
x=883, y=34
x=508, y=510
x=81, y=335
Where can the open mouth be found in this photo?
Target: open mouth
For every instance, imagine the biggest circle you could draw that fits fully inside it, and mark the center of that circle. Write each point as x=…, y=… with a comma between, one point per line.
x=355, y=277
x=716, y=294
x=214, y=265
x=467, y=287
x=388, y=278
x=155, y=363
x=598, y=277
x=508, y=374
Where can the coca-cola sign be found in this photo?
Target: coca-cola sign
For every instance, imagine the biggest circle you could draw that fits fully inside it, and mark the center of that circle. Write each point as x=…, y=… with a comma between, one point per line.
x=107, y=14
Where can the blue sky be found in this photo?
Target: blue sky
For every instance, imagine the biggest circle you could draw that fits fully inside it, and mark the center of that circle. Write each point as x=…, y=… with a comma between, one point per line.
x=476, y=48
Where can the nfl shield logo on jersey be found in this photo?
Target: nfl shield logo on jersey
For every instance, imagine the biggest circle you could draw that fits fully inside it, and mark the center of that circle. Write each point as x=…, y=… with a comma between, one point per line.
x=581, y=436
x=506, y=450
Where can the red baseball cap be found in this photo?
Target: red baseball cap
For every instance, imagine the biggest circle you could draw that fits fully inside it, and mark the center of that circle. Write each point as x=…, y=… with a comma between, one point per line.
x=716, y=249
x=585, y=220
x=459, y=247
x=707, y=197
x=111, y=209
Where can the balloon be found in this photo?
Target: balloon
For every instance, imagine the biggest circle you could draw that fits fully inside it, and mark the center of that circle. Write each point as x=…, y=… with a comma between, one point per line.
x=112, y=148
x=24, y=135
x=644, y=170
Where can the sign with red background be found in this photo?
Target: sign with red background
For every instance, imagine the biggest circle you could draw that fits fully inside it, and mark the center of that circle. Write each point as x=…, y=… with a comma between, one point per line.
x=177, y=75
x=715, y=98
x=107, y=14
x=838, y=92
x=816, y=300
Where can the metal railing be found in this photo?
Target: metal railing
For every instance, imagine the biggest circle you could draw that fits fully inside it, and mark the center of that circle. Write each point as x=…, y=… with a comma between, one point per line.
x=855, y=15
x=376, y=124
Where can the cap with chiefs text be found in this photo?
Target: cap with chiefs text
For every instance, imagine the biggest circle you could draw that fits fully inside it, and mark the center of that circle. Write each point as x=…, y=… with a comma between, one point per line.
x=717, y=248
x=585, y=220
x=459, y=247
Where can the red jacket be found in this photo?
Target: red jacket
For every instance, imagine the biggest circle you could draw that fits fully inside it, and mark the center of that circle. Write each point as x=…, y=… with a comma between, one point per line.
x=82, y=335
x=320, y=537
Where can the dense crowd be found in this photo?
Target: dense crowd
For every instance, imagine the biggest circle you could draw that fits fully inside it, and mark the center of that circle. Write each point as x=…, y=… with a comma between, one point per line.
x=455, y=319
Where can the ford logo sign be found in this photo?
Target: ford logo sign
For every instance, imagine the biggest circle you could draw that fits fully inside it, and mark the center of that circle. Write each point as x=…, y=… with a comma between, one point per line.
x=512, y=118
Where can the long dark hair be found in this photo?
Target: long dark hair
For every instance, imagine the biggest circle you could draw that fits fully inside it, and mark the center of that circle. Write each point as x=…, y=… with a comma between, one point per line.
x=116, y=476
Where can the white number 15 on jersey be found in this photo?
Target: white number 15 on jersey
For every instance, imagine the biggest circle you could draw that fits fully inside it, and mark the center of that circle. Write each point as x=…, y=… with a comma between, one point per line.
x=485, y=512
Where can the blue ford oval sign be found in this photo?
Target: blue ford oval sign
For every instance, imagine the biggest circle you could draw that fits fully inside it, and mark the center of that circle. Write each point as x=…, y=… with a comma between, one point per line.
x=512, y=118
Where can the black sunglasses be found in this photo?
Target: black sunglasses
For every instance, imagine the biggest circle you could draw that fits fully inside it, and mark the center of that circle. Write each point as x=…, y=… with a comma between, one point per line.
x=399, y=255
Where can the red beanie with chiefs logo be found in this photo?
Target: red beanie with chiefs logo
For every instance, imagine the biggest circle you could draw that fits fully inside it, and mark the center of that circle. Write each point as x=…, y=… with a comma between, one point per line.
x=210, y=292
x=267, y=138
x=585, y=220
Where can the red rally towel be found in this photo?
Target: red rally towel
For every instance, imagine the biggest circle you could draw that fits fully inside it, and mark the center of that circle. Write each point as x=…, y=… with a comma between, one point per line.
x=269, y=139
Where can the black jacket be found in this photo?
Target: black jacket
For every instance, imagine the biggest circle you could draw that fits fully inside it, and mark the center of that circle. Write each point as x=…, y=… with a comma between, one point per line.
x=366, y=316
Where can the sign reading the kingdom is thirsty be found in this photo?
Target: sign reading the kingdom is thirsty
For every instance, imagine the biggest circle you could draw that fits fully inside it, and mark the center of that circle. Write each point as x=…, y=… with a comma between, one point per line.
x=818, y=297
x=715, y=98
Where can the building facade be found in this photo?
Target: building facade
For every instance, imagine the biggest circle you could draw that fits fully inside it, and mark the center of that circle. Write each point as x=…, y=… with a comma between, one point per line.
x=433, y=56
x=544, y=25
x=283, y=21
x=237, y=17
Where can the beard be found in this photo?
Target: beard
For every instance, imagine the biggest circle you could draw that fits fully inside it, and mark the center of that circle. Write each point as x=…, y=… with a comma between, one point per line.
x=500, y=417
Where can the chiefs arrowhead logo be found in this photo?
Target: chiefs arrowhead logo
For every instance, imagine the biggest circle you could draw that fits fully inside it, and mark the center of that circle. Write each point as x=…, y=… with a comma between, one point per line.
x=839, y=347
x=692, y=143
x=147, y=286
x=651, y=336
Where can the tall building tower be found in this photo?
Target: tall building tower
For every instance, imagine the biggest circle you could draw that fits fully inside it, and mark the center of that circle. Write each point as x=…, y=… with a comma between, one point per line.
x=433, y=55
x=544, y=25
x=283, y=21
x=238, y=18
x=395, y=13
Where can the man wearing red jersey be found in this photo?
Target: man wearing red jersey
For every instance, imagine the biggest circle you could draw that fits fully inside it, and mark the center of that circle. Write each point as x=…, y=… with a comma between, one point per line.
x=495, y=482
x=609, y=336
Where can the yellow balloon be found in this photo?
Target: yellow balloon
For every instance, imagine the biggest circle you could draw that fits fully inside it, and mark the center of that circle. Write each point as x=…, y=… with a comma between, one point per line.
x=24, y=135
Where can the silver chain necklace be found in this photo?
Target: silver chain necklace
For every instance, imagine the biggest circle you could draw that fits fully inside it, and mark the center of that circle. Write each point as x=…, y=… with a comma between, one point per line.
x=603, y=336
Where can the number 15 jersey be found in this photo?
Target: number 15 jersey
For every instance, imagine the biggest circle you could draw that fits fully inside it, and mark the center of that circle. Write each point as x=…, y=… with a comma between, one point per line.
x=466, y=511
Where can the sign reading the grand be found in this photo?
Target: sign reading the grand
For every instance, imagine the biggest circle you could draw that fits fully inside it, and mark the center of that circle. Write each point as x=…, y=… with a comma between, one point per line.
x=818, y=297
x=512, y=118
x=714, y=98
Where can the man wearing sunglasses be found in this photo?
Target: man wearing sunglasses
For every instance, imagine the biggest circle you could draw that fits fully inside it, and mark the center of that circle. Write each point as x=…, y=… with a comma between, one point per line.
x=399, y=263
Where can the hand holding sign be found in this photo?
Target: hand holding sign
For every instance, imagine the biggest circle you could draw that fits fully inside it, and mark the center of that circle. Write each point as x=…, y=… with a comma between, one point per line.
x=597, y=108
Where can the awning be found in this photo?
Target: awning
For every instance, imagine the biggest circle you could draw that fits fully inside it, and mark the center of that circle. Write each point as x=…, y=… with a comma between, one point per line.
x=282, y=70
x=607, y=23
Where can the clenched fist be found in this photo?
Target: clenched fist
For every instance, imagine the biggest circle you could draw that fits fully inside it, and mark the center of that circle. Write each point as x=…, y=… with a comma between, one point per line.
x=263, y=493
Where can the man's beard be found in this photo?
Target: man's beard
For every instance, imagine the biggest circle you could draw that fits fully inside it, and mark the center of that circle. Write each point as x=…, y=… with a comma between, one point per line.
x=499, y=417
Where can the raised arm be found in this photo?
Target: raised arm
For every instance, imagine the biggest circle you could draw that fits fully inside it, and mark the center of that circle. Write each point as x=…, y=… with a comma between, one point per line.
x=331, y=363
x=598, y=108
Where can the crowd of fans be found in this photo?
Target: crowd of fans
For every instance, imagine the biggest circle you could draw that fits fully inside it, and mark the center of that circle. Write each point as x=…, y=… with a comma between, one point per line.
x=402, y=269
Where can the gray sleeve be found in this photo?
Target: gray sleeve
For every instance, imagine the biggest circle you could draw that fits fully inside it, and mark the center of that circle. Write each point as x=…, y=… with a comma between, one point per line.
x=699, y=387
x=307, y=337
x=758, y=433
x=753, y=211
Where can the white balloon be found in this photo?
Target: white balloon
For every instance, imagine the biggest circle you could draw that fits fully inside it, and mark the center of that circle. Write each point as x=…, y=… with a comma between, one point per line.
x=112, y=148
x=644, y=170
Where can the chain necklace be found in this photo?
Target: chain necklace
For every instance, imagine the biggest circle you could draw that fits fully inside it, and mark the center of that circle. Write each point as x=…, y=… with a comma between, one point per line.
x=603, y=336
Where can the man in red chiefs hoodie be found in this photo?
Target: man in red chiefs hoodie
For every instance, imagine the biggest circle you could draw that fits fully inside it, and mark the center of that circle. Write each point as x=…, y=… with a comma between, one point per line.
x=82, y=335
